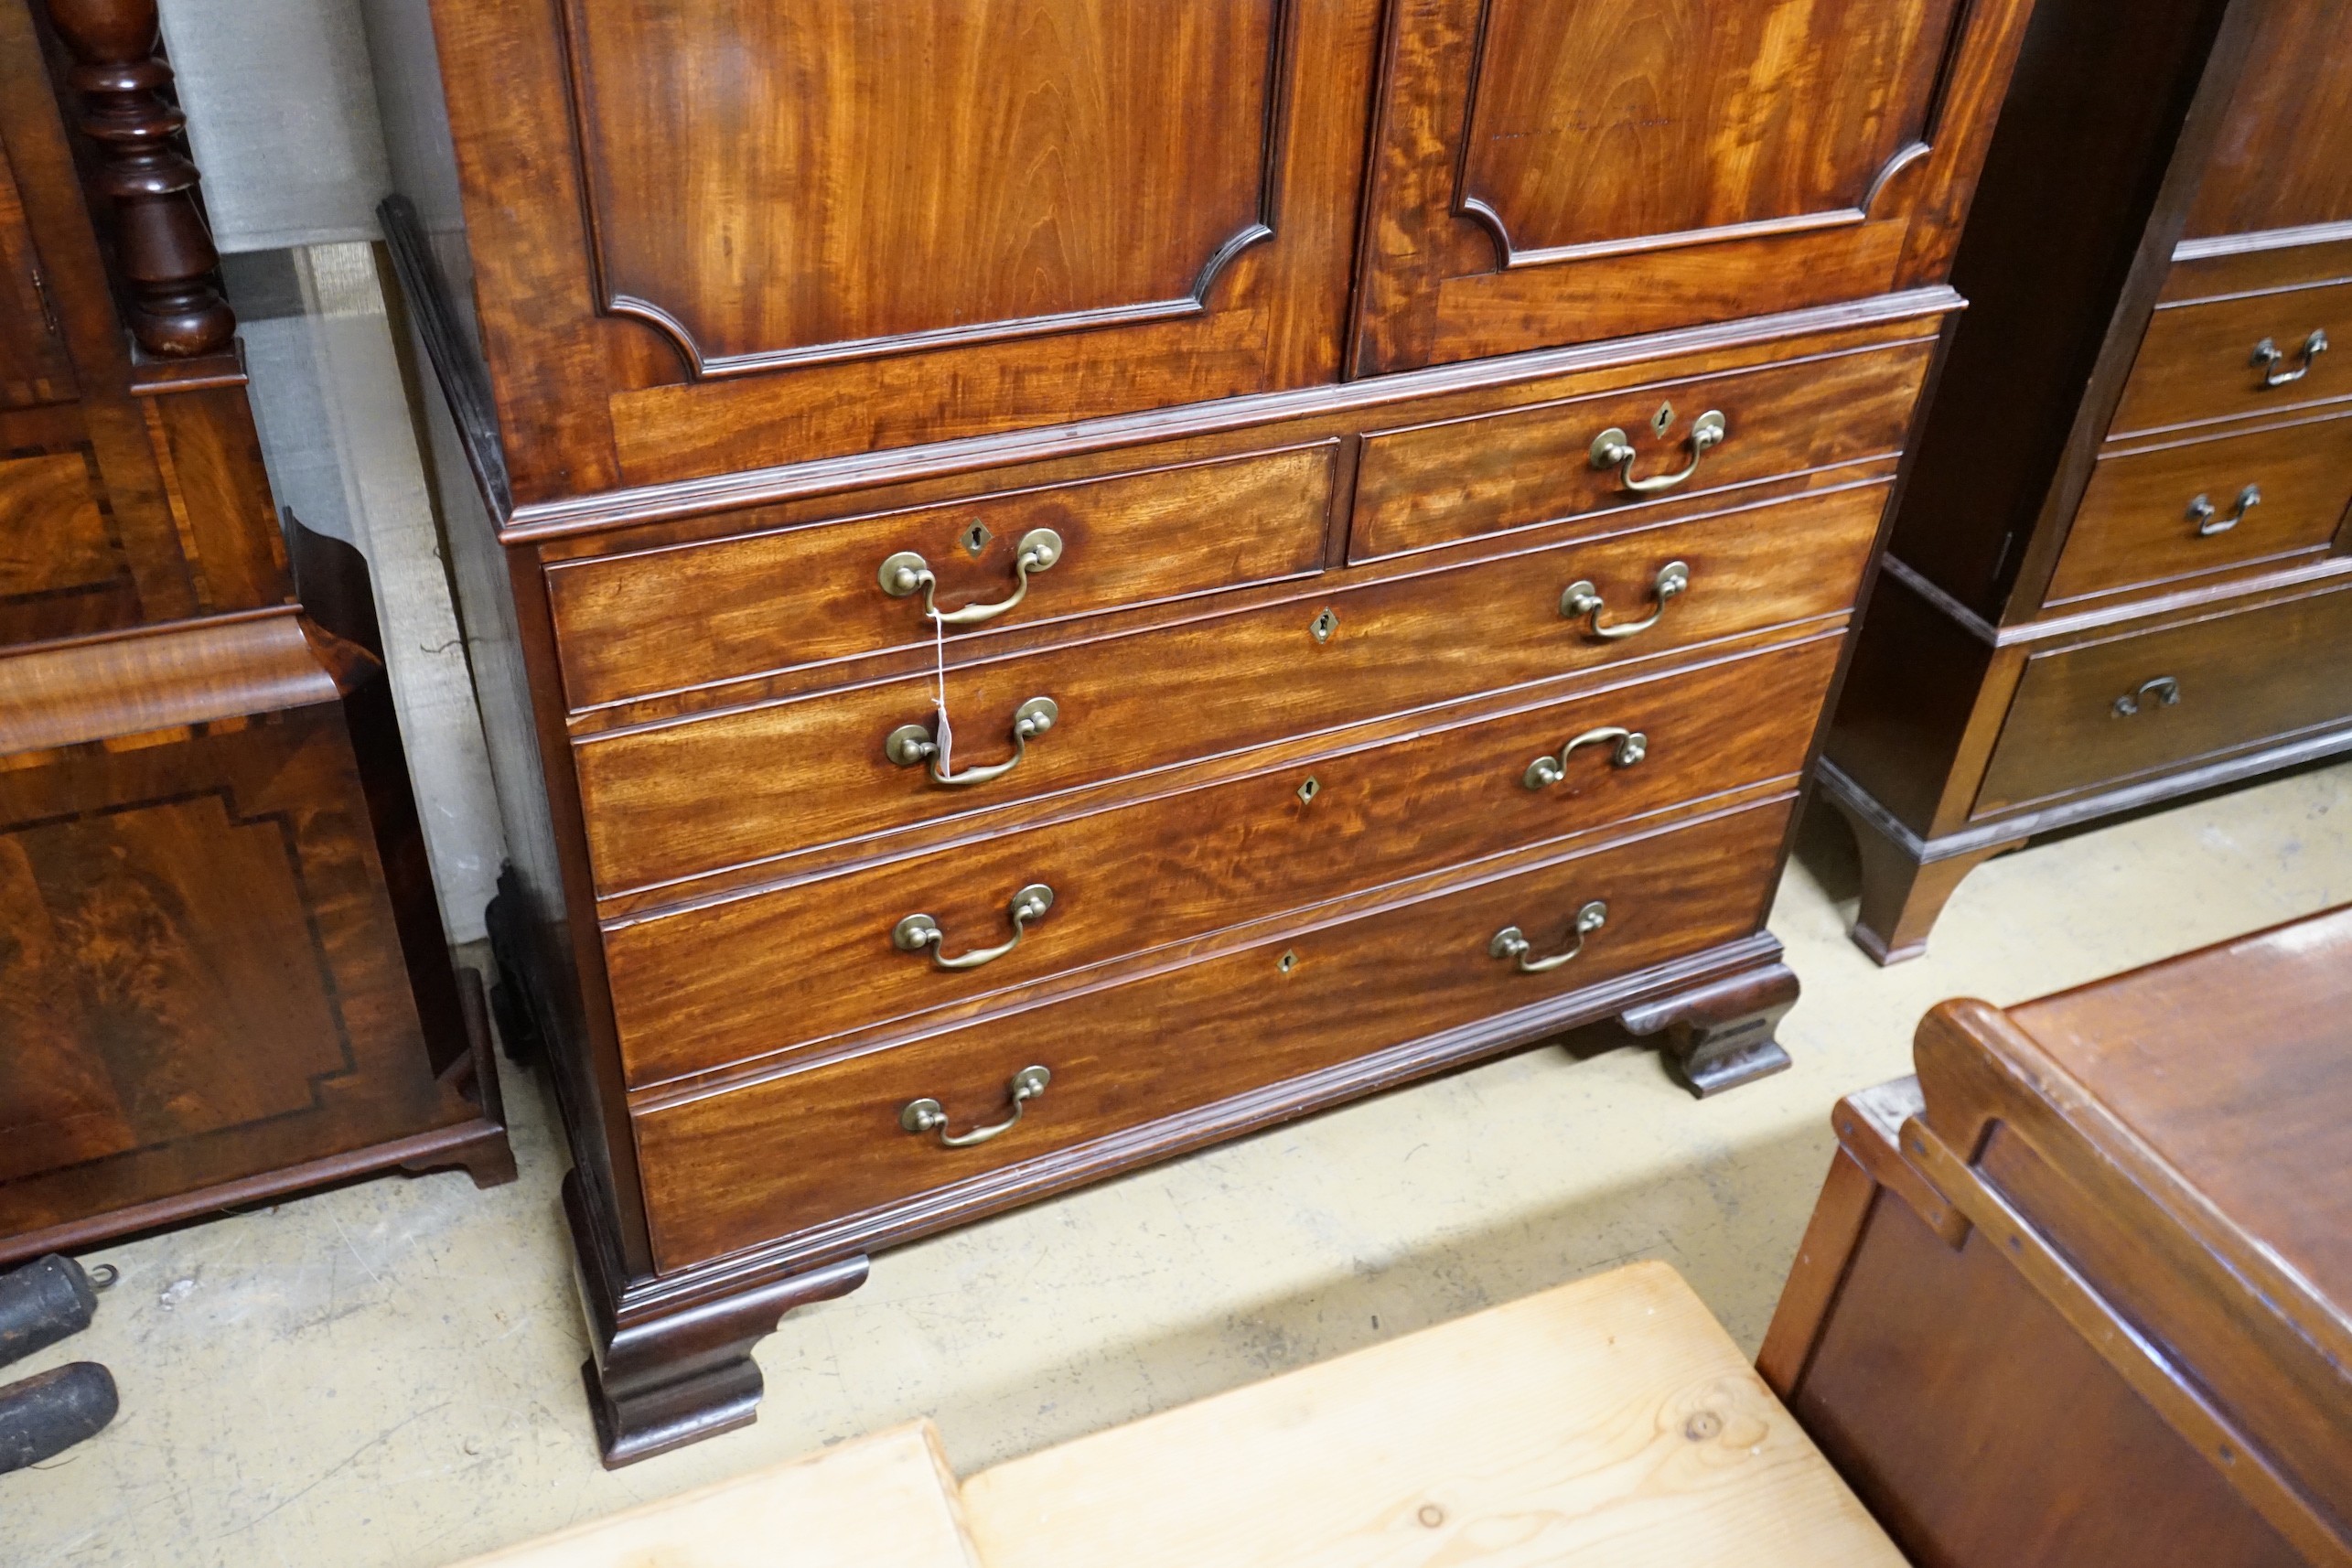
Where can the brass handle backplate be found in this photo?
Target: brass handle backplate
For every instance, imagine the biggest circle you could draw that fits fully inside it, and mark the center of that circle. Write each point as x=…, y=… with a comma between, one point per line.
x=2267, y=359
x=919, y=933
x=1630, y=746
x=907, y=573
x=2163, y=691
x=1510, y=943
x=1611, y=449
x=1581, y=599
x=910, y=745
x=2201, y=512
x=927, y=1115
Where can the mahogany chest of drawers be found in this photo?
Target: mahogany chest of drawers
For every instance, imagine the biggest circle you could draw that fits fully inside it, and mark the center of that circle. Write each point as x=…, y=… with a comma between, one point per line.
x=1058, y=580
x=2081, y=1293
x=2123, y=570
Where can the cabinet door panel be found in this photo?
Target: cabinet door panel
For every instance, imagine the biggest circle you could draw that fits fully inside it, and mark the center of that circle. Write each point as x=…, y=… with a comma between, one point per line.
x=1558, y=171
x=710, y=236
x=2284, y=159
x=33, y=365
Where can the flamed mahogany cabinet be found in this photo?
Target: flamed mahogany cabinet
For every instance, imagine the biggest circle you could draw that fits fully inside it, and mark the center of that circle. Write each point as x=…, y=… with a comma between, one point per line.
x=1058, y=580
x=2079, y=1294
x=222, y=971
x=2123, y=569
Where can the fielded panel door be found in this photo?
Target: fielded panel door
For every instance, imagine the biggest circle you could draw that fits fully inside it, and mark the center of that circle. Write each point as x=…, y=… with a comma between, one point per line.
x=710, y=235
x=1562, y=171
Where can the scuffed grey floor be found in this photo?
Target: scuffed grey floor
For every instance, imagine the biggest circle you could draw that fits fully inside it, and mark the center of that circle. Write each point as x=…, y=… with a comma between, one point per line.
x=388, y=1376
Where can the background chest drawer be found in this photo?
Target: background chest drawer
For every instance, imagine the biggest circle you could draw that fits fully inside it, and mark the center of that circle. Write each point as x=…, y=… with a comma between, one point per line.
x=736, y=1167
x=672, y=801
x=2192, y=690
x=729, y=982
x=2199, y=362
x=689, y=615
x=1429, y=484
x=2171, y=511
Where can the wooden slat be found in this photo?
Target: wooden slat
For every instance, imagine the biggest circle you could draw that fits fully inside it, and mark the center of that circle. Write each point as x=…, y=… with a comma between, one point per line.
x=1608, y=1422
x=884, y=1502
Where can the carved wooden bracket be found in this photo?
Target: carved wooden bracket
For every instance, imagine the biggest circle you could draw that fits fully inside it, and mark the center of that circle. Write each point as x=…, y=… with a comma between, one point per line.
x=164, y=250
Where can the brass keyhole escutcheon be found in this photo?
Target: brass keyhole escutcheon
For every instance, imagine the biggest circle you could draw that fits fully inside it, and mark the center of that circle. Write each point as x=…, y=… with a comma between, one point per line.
x=1309, y=791
x=1663, y=420
x=1288, y=961
x=976, y=539
x=1324, y=625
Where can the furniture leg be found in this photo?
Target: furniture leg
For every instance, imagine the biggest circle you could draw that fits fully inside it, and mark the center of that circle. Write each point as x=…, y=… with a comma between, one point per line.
x=1718, y=1036
x=1904, y=888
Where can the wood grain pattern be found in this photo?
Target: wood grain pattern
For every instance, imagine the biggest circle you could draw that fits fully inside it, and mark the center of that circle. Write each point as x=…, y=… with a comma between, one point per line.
x=55, y=540
x=2196, y=363
x=196, y=673
x=2134, y=526
x=1630, y=166
x=949, y=173
x=638, y=623
x=1818, y=95
x=884, y=1502
x=1609, y=1421
x=1429, y=484
x=2243, y=677
x=2280, y=163
x=755, y=976
x=676, y=800
x=713, y=1183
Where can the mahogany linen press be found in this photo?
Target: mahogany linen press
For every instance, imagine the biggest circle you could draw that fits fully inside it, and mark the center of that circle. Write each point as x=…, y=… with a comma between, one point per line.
x=1055, y=580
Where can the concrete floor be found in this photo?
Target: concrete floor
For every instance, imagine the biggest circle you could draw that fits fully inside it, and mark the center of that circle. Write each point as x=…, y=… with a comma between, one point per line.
x=388, y=1376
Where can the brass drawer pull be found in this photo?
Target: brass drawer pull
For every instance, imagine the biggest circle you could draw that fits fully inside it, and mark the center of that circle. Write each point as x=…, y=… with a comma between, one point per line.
x=928, y=1115
x=1582, y=600
x=918, y=933
x=1510, y=943
x=910, y=745
x=2267, y=359
x=2163, y=691
x=2200, y=512
x=1611, y=450
x=907, y=573
x=1631, y=746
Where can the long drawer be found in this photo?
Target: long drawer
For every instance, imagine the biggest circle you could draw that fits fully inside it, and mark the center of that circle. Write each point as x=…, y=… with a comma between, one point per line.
x=1426, y=484
x=729, y=982
x=689, y=615
x=2100, y=712
x=2163, y=513
x=819, y=1144
x=670, y=801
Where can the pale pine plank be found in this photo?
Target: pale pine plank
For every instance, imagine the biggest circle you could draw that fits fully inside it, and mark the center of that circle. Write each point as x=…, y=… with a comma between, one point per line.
x=1608, y=1422
x=884, y=1502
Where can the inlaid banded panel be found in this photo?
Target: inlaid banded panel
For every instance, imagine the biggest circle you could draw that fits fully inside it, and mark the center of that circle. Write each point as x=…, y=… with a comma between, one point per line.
x=823, y=179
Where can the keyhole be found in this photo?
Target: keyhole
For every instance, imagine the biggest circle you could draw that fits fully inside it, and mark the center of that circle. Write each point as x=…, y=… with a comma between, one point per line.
x=1288, y=961
x=1310, y=790
x=1325, y=625
x=976, y=537
x=1663, y=420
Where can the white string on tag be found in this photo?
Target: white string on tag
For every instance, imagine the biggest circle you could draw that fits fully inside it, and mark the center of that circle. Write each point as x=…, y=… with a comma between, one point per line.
x=942, y=733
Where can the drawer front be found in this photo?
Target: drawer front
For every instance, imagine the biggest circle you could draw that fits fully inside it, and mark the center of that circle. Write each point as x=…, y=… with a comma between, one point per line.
x=1430, y=484
x=2238, y=679
x=725, y=984
x=2198, y=361
x=671, y=801
x=742, y=1167
x=2152, y=516
x=691, y=615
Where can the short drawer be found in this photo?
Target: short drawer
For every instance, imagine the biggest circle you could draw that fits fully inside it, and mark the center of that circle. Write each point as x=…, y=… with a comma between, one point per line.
x=2158, y=514
x=814, y=1144
x=724, y=983
x=1431, y=484
x=689, y=615
x=670, y=801
x=2102, y=712
x=2200, y=362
